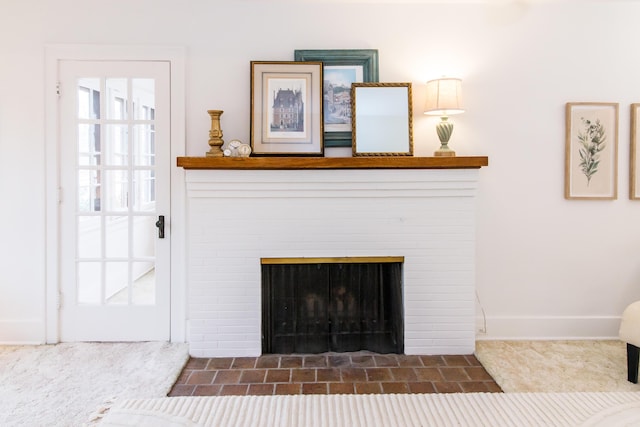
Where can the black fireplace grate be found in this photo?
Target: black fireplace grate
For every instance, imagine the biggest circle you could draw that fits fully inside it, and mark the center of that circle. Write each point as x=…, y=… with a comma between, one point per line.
x=332, y=307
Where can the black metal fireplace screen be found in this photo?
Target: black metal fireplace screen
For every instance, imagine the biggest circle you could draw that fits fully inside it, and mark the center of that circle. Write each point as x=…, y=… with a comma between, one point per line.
x=332, y=307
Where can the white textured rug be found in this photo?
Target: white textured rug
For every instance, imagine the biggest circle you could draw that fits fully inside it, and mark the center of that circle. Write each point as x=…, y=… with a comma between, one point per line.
x=63, y=384
x=383, y=410
x=556, y=366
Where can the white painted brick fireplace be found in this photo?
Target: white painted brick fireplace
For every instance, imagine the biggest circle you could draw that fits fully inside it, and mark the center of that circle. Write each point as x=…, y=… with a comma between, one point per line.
x=237, y=217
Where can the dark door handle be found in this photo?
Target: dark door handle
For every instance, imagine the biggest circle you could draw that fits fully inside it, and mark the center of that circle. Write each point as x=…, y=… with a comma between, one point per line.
x=160, y=225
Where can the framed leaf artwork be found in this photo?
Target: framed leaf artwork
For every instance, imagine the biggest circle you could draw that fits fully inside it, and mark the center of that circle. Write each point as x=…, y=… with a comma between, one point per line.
x=591, y=150
x=634, y=167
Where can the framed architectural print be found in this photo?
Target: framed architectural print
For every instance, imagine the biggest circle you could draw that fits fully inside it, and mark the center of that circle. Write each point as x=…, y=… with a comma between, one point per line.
x=591, y=150
x=634, y=167
x=342, y=67
x=286, y=108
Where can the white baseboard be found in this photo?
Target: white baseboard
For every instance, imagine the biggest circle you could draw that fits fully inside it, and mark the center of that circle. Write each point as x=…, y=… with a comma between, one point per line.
x=22, y=332
x=14, y=332
x=550, y=328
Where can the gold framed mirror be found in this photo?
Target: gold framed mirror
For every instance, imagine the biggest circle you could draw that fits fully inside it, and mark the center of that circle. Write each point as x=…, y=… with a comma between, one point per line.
x=382, y=119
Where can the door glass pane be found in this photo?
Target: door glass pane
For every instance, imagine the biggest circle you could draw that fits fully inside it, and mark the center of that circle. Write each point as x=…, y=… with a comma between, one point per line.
x=144, y=149
x=89, y=237
x=116, y=281
x=144, y=283
x=116, y=236
x=119, y=298
x=116, y=145
x=144, y=188
x=144, y=236
x=88, y=144
x=89, y=280
x=88, y=190
x=89, y=98
x=117, y=185
x=117, y=99
x=144, y=98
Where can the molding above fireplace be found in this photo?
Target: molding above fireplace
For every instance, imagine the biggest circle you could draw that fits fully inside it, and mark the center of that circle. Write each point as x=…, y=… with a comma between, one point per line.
x=264, y=163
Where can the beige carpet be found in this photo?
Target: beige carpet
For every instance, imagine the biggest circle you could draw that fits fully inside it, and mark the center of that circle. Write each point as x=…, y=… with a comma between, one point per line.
x=556, y=366
x=64, y=384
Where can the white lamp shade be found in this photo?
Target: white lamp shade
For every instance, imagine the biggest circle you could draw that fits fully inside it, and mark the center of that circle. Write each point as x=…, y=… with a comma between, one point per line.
x=444, y=97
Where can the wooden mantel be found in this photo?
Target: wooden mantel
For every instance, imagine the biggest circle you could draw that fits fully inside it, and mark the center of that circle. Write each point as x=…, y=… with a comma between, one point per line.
x=264, y=163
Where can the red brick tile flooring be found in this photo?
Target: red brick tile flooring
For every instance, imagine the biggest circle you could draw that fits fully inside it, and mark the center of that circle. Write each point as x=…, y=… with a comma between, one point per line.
x=335, y=373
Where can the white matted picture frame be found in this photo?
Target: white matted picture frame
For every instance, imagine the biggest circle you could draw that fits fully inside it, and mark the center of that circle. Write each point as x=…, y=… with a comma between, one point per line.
x=591, y=151
x=634, y=167
x=286, y=108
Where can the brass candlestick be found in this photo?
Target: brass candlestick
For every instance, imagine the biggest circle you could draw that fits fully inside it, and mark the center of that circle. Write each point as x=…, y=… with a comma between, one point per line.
x=215, y=134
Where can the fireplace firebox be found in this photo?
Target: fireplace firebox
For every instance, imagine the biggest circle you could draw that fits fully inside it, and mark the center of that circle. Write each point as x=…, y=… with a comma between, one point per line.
x=332, y=305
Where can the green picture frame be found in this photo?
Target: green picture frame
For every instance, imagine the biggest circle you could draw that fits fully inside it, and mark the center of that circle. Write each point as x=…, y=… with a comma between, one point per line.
x=341, y=68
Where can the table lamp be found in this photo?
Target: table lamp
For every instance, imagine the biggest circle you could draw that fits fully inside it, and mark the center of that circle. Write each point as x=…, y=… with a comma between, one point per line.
x=444, y=98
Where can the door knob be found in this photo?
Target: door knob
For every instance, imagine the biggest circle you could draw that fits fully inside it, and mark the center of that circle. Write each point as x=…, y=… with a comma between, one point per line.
x=160, y=225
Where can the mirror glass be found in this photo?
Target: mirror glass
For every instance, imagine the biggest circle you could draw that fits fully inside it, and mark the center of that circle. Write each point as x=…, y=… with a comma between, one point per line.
x=382, y=122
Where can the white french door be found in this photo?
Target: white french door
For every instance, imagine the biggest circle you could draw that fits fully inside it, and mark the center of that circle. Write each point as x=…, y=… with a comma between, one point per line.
x=115, y=200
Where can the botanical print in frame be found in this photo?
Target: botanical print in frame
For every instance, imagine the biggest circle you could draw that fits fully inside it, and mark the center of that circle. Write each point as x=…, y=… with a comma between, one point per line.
x=634, y=184
x=342, y=67
x=591, y=150
x=286, y=108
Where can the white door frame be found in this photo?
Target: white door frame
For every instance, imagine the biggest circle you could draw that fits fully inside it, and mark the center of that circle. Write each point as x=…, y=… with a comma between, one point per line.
x=176, y=224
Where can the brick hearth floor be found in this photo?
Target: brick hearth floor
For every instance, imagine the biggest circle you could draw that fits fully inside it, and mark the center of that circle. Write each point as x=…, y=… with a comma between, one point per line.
x=335, y=373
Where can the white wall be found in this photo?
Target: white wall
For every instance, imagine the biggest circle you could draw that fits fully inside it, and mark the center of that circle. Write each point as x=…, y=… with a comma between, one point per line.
x=545, y=266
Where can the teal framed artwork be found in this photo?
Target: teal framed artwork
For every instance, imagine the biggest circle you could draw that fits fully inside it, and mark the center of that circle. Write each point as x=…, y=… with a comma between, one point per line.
x=342, y=67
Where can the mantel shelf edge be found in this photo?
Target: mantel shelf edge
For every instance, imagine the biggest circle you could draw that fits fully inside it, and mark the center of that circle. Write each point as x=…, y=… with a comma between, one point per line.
x=298, y=163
